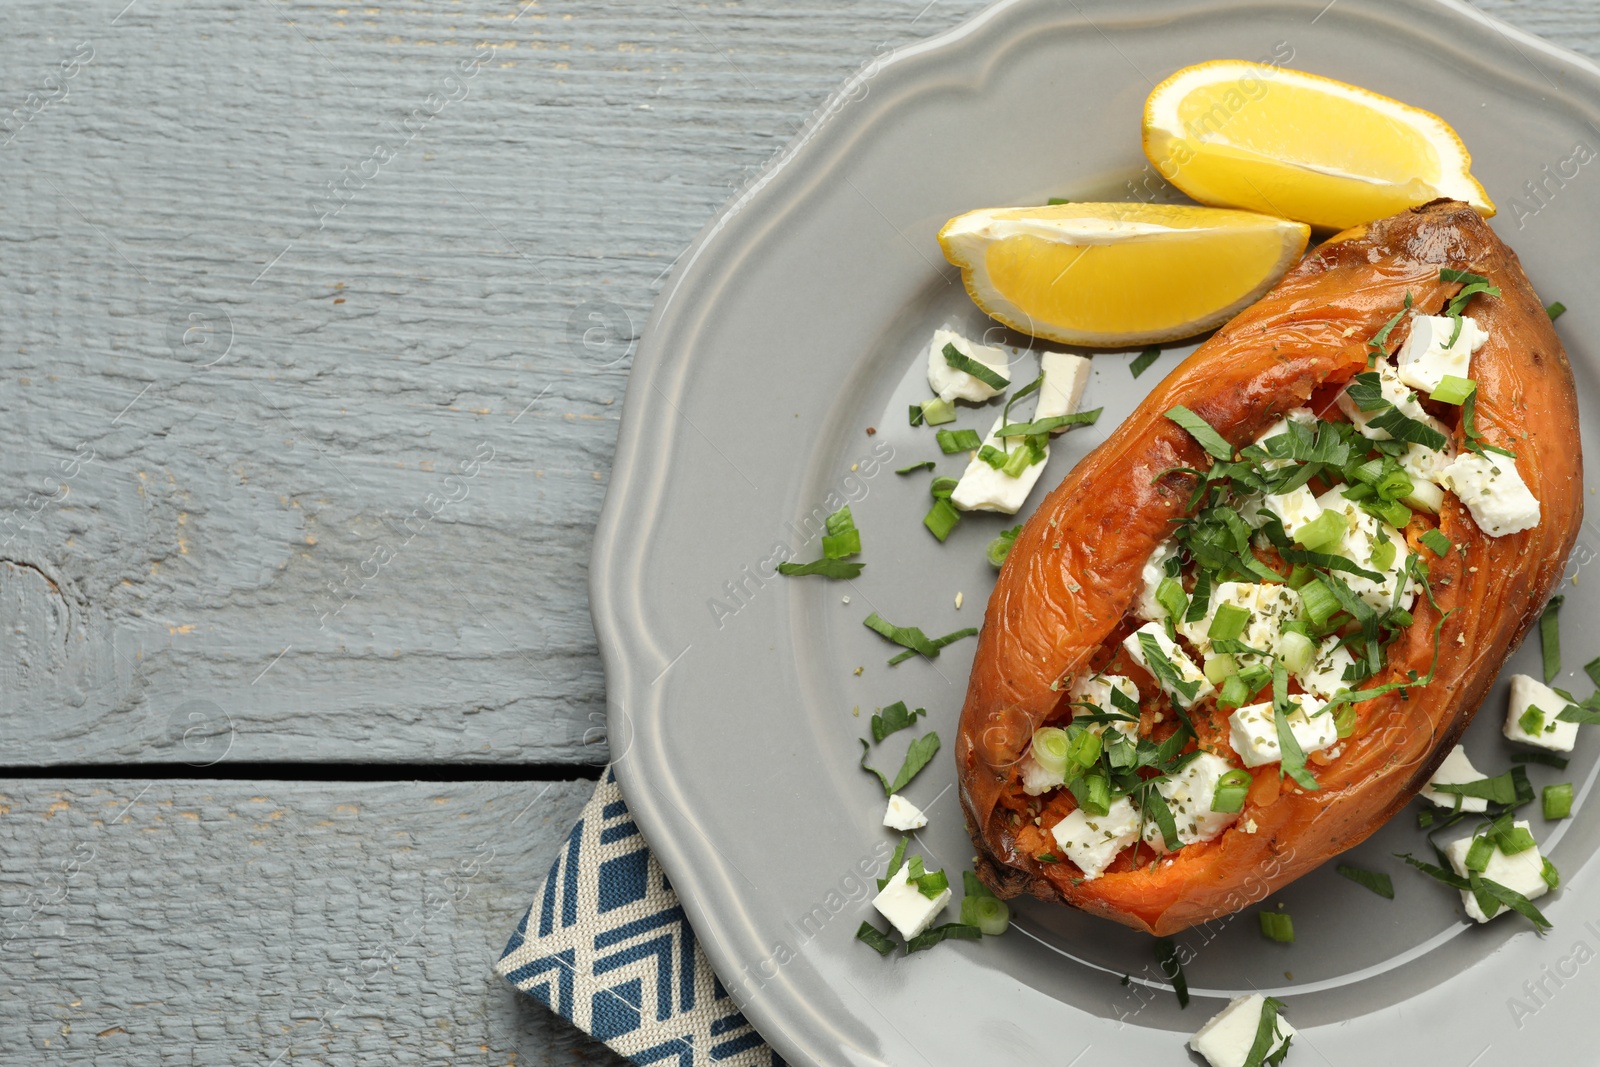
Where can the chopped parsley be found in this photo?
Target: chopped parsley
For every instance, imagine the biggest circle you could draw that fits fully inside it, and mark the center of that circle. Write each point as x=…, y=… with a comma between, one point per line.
x=917, y=756
x=1376, y=881
x=840, y=540
x=1172, y=969
x=1143, y=361
x=981, y=371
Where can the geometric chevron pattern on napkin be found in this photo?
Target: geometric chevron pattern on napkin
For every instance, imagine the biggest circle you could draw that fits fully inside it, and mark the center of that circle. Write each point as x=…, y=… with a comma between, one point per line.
x=606, y=945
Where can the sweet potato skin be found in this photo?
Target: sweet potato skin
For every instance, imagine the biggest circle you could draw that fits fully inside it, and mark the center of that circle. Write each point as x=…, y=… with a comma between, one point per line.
x=1074, y=571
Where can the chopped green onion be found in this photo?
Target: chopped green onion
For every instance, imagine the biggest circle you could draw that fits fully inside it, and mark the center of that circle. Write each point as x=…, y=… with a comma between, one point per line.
x=1052, y=748
x=1479, y=854
x=1368, y=473
x=989, y=914
x=1085, y=749
x=1234, y=693
x=938, y=411
x=926, y=465
x=941, y=519
x=1172, y=969
x=916, y=414
x=1324, y=532
x=1201, y=430
x=1319, y=601
x=1228, y=623
x=953, y=441
x=1142, y=362
x=825, y=568
x=1018, y=461
x=929, y=938
x=1548, y=872
x=993, y=456
x=932, y=884
x=1298, y=651
x=1170, y=595
x=1550, y=638
x=874, y=938
x=1382, y=557
x=1556, y=310
x=1220, y=667
x=1093, y=793
x=1437, y=542
x=1531, y=720
x=1392, y=512
x=981, y=371
x=1054, y=200
x=1232, y=788
x=1000, y=547
x=1299, y=575
x=1558, y=800
x=941, y=488
x=1453, y=390
x=1547, y=759
x=1376, y=881
x=1277, y=926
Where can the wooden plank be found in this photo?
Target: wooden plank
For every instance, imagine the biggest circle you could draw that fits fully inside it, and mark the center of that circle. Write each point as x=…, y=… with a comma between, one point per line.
x=316, y=322
x=291, y=922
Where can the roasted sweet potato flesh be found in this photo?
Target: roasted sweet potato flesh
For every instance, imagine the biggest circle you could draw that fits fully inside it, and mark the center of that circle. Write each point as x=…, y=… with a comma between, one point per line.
x=1066, y=589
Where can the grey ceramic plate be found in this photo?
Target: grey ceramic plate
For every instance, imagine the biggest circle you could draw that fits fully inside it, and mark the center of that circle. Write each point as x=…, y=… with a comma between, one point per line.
x=792, y=326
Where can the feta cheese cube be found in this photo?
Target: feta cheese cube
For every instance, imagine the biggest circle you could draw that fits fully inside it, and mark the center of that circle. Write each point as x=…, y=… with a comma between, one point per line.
x=1325, y=676
x=952, y=384
x=1189, y=795
x=1425, y=467
x=1064, y=379
x=903, y=815
x=903, y=904
x=1186, y=670
x=1522, y=871
x=1270, y=606
x=1534, y=704
x=1226, y=1040
x=1253, y=730
x=1036, y=780
x=1294, y=509
x=1427, y=356
x=1096, y=690
x=1455, y=770
x=1365, y=533
x=984, y=488
x=1395, y=393
x=1493, y=490
x=1154, y=570
x=1093, y=841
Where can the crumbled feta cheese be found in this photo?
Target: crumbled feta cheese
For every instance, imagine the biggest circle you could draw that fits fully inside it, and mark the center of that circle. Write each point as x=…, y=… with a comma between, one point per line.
x=1226, y=1040
x=1531, y=716
x=1154, y=570
x=1036, y=779
x=1187, y=671
x=1253, y=730
x=1395, y=393
x=1521, y=872
x=1325, y=676
x=1064, y=379
x=984, y=488
x=952, y=384
x=1427, y=356
x=1096, y=690
x=1270, y=606
x=1455, y=770
x=903, y=904
x=1294, y=509
x=903, y=815
x=1365, y=533
x=1425, y=467
x=1493, y=490
x=1189, y=795
x=1093, y=841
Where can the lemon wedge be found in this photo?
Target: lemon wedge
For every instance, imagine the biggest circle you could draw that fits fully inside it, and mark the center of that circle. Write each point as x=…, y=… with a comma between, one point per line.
x=1111, y=275
x=1281, y=142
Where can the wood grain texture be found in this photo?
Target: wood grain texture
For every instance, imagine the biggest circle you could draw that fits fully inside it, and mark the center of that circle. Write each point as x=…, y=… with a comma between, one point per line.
x=271, y=272
x=290, y=922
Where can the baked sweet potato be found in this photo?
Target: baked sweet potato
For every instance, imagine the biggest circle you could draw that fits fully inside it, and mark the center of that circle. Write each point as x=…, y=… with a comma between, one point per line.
x=1064, y=595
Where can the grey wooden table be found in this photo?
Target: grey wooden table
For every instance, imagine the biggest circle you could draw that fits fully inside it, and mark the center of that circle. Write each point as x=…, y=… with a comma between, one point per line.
x=315, y=323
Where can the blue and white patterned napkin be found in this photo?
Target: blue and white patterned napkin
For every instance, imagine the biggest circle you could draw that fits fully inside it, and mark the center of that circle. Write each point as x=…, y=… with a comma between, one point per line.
x=606, y=946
